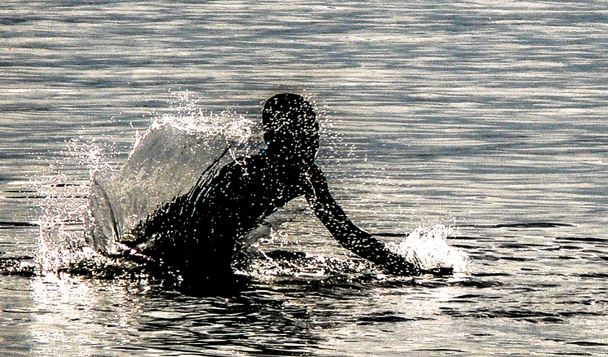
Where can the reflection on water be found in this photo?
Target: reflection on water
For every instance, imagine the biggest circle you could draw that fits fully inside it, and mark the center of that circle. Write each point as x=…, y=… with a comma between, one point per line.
x=80, y=316
x=69, y=310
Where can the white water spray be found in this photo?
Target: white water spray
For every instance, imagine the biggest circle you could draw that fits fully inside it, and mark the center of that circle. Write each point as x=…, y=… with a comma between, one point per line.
x=429, y=250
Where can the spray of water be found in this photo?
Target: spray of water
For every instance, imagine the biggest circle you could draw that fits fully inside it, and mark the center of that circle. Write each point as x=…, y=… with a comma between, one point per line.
x=64, y=206
x=428, y=249
x=113, y=196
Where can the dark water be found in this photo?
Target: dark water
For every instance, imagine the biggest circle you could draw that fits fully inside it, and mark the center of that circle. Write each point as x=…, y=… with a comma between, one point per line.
x=487, y=116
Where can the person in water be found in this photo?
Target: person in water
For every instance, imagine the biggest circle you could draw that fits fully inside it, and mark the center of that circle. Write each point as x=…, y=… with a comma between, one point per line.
x=200, y=233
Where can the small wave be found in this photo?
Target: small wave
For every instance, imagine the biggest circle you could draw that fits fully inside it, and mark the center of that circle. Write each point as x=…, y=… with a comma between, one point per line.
x=523, y=225
x=14, y=224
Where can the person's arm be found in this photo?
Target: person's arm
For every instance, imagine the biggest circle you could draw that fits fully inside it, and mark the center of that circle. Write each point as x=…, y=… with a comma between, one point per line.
x=345, y=232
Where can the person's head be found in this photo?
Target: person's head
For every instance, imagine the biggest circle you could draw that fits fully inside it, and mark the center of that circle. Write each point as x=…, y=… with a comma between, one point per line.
x=291, y=130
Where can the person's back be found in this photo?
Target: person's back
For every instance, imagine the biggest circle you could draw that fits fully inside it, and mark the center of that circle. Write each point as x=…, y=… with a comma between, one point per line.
x=199, y=233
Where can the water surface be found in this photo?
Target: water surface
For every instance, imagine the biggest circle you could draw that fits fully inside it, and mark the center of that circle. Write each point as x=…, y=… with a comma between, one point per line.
x=486, y=115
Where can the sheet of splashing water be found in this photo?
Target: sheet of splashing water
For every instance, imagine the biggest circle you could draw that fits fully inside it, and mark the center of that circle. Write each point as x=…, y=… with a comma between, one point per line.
x=163, y=163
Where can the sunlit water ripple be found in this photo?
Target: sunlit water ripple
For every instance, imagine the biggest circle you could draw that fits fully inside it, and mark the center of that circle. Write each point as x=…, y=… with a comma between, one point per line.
x=485, y=116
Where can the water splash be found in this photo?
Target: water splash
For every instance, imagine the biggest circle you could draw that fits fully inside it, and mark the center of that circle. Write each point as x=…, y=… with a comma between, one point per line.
x=111, y=197
x=428, y=249
x=65, y=210
x=189, y=118
x=164, y=162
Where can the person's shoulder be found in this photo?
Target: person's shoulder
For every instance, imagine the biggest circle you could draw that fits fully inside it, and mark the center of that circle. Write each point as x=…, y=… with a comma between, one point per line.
x=248, y=164
x=255, y=162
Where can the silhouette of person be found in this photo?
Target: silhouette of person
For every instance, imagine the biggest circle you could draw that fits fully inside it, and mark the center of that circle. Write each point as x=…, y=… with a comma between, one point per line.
x=201, y=232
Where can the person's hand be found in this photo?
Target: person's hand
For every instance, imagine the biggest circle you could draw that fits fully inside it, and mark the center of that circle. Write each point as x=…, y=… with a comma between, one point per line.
x=397, y=264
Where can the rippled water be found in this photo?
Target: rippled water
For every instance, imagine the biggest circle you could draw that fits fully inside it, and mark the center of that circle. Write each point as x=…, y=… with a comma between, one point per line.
x=485, y=115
